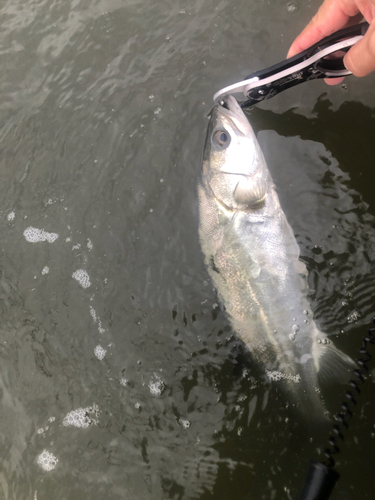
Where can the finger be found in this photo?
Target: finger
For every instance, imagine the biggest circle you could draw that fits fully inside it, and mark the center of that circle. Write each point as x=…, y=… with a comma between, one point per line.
x=331, y=16
x=333, y=81
x=360, y=59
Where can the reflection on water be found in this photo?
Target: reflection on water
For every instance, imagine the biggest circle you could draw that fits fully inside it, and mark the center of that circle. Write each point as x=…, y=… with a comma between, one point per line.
x=335, y=229
x=120, y=374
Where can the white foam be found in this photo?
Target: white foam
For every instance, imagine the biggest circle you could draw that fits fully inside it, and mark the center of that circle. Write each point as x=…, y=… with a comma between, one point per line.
x=185, y=423
x=82, y=277
x=93, y=314
x=97, y=320
x=35, y=235
x=81, y=417
x=89, y=244
x=47, y=460
x=353, y=316
x=45, y=270
x=100, y=352
x=11, y=216
x=276, y=376
x=156, y=385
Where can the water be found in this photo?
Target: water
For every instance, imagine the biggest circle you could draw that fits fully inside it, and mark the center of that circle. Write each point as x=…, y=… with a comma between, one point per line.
x=119, y=372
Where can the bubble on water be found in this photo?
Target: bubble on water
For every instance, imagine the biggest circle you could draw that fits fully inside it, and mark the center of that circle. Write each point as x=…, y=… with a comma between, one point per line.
x=124, y=382
x=40, y=431
x=45, y=270
x=97, y=320
x=274, y=375
x=156, y=385
x=11, y=216
x=291, y=7
x=353, y=317
x=137, y=406
x=292, y=336
x=35, y=235
x=82, y=277
x=157, y=111
x=185, y=423
x=305, y=311
x=100, y=352
x=47, y=460
x=277, y=376
x=82, y=417
x=76, y=247
x=295, y=328
x=93, y=314
x=89, y=244
x=51, y=419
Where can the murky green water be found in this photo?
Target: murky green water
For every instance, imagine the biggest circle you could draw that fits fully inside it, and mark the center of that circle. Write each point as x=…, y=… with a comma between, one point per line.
x=103, y=116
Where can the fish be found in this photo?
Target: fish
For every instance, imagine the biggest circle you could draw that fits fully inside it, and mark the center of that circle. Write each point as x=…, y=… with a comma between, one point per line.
x=252, y=257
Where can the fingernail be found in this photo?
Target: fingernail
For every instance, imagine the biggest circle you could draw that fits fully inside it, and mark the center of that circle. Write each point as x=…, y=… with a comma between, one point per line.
x=344, y=62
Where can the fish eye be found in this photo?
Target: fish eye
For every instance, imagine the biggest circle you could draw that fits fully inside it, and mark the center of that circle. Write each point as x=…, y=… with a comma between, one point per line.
x=221, y=139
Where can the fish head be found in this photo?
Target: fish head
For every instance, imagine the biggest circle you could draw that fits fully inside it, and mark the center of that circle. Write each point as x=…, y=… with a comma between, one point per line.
x=233, y=163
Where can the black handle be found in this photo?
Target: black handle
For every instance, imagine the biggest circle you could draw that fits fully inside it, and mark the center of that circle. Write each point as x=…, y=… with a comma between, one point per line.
x=356, y=30
x=317, y=69
x=319, y=482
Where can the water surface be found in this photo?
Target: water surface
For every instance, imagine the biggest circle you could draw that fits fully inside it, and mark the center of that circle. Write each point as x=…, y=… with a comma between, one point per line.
x=119, y=374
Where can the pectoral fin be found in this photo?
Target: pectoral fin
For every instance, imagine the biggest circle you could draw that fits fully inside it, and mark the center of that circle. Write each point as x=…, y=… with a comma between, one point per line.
x=250, y=192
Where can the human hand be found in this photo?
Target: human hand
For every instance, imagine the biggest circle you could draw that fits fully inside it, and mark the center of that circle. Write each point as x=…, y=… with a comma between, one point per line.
x=334, y=15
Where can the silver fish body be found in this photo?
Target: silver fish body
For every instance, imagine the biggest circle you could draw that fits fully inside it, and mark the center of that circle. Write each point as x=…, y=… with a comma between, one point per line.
x=253, y=257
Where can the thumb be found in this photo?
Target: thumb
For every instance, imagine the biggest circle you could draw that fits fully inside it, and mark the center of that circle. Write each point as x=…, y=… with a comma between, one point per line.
x=360, y=59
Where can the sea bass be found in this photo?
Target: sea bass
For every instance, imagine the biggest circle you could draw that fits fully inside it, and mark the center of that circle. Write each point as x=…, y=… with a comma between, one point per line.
x=253, y=258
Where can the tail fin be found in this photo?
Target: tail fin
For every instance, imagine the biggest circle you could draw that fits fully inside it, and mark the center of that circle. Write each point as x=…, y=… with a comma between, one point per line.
x=330, y=362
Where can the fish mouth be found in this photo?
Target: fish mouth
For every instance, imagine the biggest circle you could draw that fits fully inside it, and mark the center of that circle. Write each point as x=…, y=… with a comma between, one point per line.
x=230, y=107
x=231, y=110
